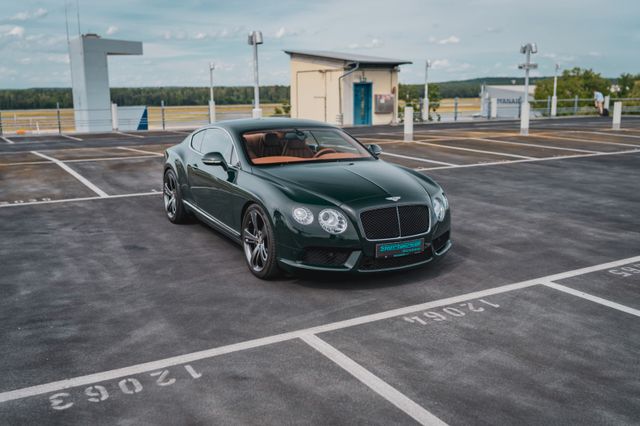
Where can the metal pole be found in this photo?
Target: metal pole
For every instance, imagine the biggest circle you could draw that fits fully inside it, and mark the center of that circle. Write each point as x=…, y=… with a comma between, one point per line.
x=211, y=67
x=554, y=98
x=455, y=109
x=548, y=105
x=162, y=114
x=526, y=77
x=575, y=106
x=425, y=101
x=257, y=112
x=58, y=115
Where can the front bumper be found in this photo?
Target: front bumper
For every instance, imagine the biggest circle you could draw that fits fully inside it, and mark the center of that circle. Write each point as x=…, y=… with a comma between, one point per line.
x=359, y=256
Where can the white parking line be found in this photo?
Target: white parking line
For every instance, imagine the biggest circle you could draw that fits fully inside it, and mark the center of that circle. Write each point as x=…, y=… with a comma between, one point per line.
x=141, y=151
x=73, y=138
x=7, y=140
x=373, y=382
x=130, y=134
x=263, y=341
x=473, y=150
x=73, y=173
x=538, y=135
x=424, y=160
x=592, y=298
x=70, y=200
x=535, y=160
x=604, y=133
x=535, y=145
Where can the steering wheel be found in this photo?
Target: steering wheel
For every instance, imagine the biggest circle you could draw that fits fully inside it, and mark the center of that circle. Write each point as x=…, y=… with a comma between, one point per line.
x=324, y=151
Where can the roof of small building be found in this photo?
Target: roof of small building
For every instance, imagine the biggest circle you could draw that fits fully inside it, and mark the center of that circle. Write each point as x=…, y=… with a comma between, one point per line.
x=349, y=57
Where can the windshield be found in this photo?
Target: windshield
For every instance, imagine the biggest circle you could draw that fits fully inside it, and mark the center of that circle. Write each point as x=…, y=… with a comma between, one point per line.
x=266, y=147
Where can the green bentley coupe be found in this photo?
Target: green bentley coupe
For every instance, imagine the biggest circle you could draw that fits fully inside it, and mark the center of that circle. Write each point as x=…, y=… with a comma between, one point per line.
x=305, y=195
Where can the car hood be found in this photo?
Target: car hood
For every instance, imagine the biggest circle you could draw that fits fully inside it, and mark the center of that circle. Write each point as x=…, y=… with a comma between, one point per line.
x=351, y=183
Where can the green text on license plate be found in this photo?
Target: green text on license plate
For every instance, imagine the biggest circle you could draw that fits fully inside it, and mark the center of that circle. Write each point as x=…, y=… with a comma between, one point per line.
x=400, y=248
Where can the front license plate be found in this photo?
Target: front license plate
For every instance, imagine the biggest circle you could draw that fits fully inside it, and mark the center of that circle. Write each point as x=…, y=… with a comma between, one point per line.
x=400, y=248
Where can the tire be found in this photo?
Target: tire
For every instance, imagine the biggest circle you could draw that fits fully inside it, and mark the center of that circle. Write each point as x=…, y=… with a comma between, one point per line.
x=258, y=243
x=173, y=205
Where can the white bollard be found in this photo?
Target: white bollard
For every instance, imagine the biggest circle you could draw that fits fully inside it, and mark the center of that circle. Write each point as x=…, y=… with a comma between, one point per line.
x=607, y=101
x=617, y=115
x=114, y=116
x=256, y=112
x=212, y=111
x=494, y=107
x=524, y=119
x=408, y=124
x=554, y=106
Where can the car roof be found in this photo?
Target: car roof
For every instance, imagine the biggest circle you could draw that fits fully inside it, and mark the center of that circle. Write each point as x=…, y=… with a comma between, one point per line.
x=251, y=124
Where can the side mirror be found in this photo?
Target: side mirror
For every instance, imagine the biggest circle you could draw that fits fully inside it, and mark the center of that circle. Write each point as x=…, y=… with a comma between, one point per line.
x=375, y=149
x=215, y=159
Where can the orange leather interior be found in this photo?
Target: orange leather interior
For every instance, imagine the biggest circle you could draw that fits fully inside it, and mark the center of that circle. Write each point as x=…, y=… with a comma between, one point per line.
x=288, y=159
x=270, y=148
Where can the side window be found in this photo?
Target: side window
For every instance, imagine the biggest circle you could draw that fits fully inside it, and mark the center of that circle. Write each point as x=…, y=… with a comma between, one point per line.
x=217, y=141
x=196, y=141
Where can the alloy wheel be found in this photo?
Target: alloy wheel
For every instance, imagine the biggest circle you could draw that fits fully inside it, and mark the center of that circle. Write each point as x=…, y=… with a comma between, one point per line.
x=255, y=241
x=170, y=195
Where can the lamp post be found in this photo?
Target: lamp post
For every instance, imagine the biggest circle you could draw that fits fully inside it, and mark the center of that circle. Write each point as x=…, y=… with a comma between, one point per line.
x=255, y=38
x=554, y=98
x=527, y=50
x=212, y=103
x=425, y=100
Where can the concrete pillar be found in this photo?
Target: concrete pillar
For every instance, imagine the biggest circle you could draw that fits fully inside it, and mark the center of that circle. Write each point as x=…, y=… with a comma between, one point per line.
x=256, y=112
x=617, y=115
x=114, y=116
x=212, y=112
x=90, y=78
x=408, y=124
x=494, y=108
x=524, y=118
x=554, y=106
x=607, y=101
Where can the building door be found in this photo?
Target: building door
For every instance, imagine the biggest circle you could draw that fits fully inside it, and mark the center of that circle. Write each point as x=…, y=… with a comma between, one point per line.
x=362, y=104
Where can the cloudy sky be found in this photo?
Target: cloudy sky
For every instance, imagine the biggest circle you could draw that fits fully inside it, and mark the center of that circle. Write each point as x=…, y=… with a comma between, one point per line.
x=463, y=38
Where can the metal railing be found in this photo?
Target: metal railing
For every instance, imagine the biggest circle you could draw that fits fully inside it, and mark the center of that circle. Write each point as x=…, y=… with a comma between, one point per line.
x=475, y=108
x=66, y=120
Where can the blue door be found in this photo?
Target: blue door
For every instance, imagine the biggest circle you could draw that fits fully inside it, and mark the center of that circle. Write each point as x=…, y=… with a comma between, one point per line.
x=362, y=104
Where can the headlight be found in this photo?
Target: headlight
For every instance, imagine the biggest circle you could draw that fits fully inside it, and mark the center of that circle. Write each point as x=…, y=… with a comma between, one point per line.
x=332, y=221
x=440, y=207
x=302, y=215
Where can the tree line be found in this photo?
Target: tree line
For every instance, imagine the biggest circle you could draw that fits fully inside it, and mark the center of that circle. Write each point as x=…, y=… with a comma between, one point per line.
x=583, y=82
x=572, y=82
x=152, y=96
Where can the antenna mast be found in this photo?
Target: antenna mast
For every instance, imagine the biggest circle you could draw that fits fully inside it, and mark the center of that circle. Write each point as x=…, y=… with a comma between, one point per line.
x=78, y=14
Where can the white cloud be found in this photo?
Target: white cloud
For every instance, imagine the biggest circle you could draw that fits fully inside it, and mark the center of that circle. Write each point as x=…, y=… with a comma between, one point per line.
x=27, y=15
x=440, y=64
x=493, y=30
x=200, y=36
x=11, y=31
x=112, y=30
x=595, y=54
x=372, y=44
x=557, y=57
x=286, y=32
x=449, y=40
x=62, y=58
